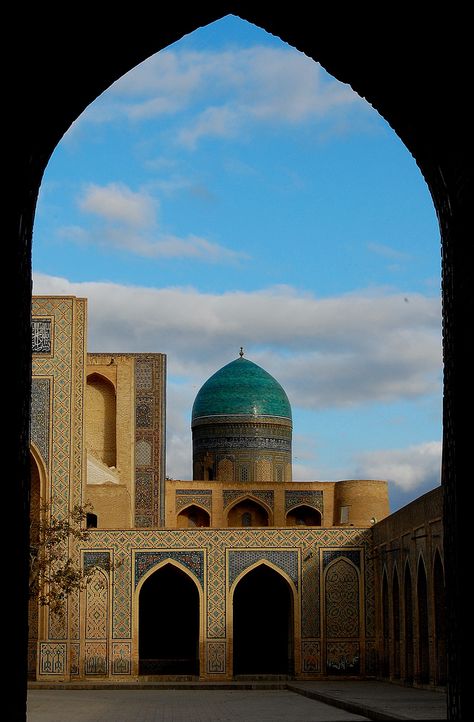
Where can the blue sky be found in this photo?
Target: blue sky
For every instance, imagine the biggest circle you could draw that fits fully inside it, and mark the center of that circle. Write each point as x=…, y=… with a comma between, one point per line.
x=228, y=192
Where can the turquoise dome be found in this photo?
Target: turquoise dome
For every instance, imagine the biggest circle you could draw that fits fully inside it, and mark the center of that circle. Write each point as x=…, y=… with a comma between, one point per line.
x=241, y=388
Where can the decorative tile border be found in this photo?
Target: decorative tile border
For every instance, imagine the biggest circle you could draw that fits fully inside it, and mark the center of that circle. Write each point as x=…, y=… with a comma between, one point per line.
x=53, y=657
x=121, y=658
x=295, y=497
x=216, y=657
x=311, y=656
x=192, y=560
x=287, y=561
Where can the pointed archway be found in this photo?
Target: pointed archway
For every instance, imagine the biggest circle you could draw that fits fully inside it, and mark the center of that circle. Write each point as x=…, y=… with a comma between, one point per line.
x=396, y=624
x=439, y=596
x=408, y=626
x=385, y=628
x=248, y=512
x=193, y=516
x=423, y=628
x=169, y=623
x=263, y=624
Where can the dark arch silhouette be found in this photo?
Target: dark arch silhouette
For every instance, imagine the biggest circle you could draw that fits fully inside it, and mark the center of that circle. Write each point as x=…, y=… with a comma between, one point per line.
x=423, y=628
x=35, y=519
x=420, y=92
x=263, y=622
x=408, y=626
x=303, y=515
x=193, y=515
x=396, y=623
x=385, y=626
x=439, y=619
x=247, y=512
x=169, y=623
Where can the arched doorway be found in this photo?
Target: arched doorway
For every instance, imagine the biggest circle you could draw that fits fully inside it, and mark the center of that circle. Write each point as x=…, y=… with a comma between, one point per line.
x=193, y=516
x=169, y=623
x=423, y=633
x=303, y=515
x=396, y=624
x=263, y=624
x=439, y=594
x=247, y=513
x=385, y=628
x=408, y=609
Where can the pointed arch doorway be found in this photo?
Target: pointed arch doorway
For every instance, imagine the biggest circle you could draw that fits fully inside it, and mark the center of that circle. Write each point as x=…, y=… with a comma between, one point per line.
x=169, y=623
x=263, y=624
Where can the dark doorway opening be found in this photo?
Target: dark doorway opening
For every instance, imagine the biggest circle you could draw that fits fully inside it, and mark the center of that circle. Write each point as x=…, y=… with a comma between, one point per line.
x=409, y=642
x=169, y=624
x=423, y=630
x=439, y=620
x=396, y=625
x=263, y=640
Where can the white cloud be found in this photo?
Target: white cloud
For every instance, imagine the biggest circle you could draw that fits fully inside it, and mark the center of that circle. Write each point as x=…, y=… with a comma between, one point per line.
x=408, y=469
x=380, y=249
x=352, y=349
x=235, y=86
x=127, y=221
x=117, y=203
x=218, y=122
x=355, y=349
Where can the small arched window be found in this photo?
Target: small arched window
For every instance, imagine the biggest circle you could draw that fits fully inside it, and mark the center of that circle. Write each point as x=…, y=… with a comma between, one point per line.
x=91, y=521
x=246, y=519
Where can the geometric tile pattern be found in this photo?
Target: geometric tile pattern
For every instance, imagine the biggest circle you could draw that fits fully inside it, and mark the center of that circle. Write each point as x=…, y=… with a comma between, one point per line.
x=57, y=623
x=150, y=384
x=216, y=541
x=97, y=607
x=74, y=650
x=144, y=494
x=192, y=560
x=97, y=559
x=369, y=577
x=295, y=498
x=143, y=375
x=241, y=560
x=53, y=657
x=311, y=656
x=184, y=497
x=216, y=652
x=230, y=495
x=121, y=595
x=204, y=552
x=95, y=658
x=121, y=658
x=64, y=365
x=342, y=600
x=331, y=555
x=40, y=416
x=311, y=603
x=342, y=657
x=143, y=453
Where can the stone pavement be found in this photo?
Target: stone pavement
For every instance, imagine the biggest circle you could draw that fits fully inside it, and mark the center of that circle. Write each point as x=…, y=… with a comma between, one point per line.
x=321, y=701
x=378, y=700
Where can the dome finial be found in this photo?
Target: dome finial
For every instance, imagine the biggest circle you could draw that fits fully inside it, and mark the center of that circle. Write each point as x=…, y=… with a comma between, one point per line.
x=241, y=352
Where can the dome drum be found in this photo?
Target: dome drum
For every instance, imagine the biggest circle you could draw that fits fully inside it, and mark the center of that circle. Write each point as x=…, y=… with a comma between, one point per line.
x=242, y=413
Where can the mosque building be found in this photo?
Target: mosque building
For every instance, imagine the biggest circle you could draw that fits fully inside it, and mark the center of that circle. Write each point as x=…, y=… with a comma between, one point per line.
x=240, y=571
